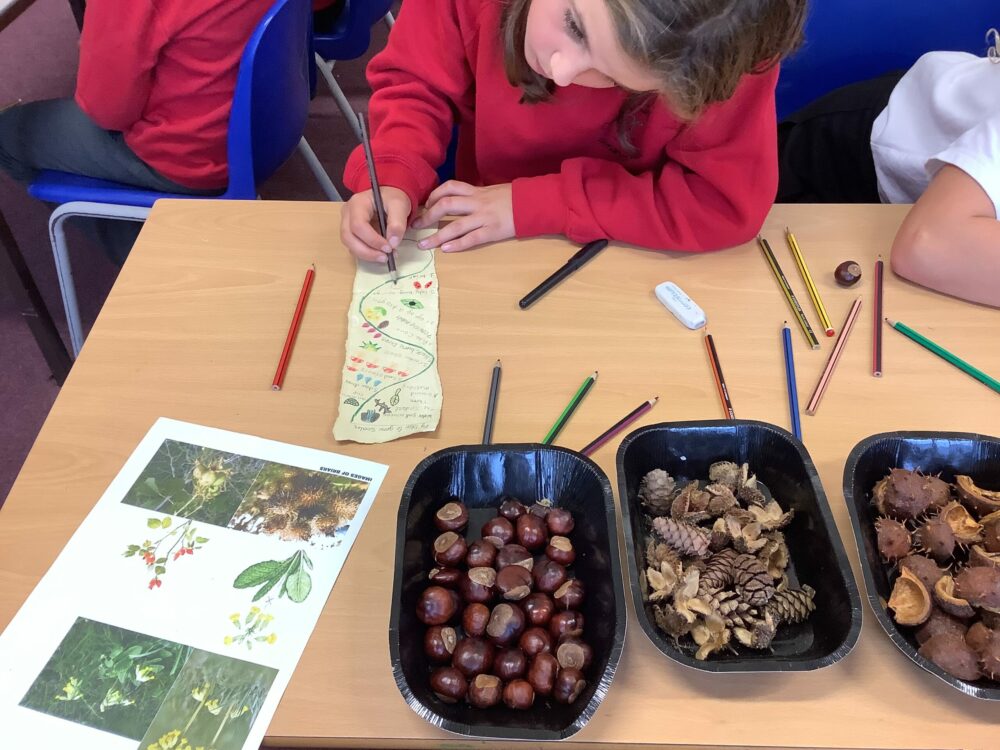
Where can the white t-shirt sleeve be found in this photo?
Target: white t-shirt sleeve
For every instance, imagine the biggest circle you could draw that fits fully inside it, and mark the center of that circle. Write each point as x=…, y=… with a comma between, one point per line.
x=976, y=152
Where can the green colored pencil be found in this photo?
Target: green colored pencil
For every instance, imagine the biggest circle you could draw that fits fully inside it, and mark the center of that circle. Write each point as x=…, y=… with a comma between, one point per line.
x=944, y=354
x=570, y=408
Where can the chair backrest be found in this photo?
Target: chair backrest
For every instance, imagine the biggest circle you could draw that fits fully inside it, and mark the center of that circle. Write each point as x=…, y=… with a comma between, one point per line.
x=271, y=101
x=851, y=40
x=351, y=34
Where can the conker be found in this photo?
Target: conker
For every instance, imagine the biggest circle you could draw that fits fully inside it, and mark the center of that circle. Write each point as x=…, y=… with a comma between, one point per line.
x=474, y=619
x=542, y=673
x=499, y=527
x=510, y=664
x=484, y=691
x=448, y=684
x=560, y=521
x=541, y=509
x=477, y=585
x=481, y=554
x=566, y=623
x=450, y=549
x=538, y=608
x=437, y=605
x=549, y=576
x=569, y=595
x=473, y=656
x=512, y=509
x=574, y=653
x=447, y=577
x=847, y=273
x=451, y=517
x=514, y=554
x=535, y=641
x=532, y=532
x=569, y=685
x=506, y=624
x=513, y=583
x=439, y=643
x=560, y=550
x=519, y=694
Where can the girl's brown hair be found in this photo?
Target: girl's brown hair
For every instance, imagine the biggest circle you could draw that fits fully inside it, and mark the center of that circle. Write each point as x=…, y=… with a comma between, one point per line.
x=699, y=49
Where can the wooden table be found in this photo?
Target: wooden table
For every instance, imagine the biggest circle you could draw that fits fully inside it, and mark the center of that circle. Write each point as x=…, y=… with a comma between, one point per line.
x=196, y=320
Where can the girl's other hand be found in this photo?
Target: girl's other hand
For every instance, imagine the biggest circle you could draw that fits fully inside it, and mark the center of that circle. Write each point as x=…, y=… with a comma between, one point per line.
x=486, y=214
x=356, y=224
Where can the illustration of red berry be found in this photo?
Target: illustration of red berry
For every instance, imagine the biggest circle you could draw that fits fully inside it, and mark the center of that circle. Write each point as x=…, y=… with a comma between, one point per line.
x=155, y=583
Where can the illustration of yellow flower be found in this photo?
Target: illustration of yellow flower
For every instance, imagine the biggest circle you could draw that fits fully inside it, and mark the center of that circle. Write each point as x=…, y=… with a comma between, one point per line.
x=254, y=610
x=172, y=740
x=213, y=706
x=272, y=638
x=144, y=674
x=235, y=617
x=113, y=698
x=72, y=690
x=199, y=693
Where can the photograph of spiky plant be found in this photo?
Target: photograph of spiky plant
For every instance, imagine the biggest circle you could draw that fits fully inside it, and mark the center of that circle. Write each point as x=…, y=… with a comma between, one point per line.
x=212, y=704
x=299, y=504
x=194, y=482
x=107, y=678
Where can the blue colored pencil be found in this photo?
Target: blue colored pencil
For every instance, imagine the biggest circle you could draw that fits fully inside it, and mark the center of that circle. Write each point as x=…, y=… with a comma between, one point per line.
x=793, y=393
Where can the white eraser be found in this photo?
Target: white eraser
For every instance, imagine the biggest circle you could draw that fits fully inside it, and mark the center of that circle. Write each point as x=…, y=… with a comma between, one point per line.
x=682, y=306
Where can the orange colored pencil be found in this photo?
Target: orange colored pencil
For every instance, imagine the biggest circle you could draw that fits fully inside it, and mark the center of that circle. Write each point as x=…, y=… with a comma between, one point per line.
x=831, y=363
x=293, y=329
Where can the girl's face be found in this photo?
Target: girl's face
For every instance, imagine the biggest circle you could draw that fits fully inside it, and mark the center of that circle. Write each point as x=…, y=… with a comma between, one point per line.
x=573, y=41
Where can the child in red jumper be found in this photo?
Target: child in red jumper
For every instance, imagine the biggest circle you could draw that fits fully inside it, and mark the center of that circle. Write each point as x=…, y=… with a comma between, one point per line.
x=650, y=122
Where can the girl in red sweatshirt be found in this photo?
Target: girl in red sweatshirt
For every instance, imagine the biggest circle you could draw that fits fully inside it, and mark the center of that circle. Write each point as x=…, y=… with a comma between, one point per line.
x=650, y=122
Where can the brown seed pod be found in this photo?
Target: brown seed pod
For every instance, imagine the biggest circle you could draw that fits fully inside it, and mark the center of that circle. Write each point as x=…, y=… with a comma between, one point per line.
x=473, y=656
x=542, y=673
x=477, y=585
x=569, y=595
x=574, y=653
x=980, y=587
x=910, y=600
x=506, y=624
x=977, y=636
x=532, y=533
x=560, y=522
x=946, y=599
x=907, y=494
x=560, y=549
x=514, y=583
x=549, y=576
x=448, y=684
x=499, y=527
x=980, y=558
x=447, y=577
x=953, y=655
x=923, y=568
x=940, y=622
x=437, y=605
x=474, y=619
x=964, y=527
x=518, y=694
x=989, y=656
x=451, y=516
x=538, y=608
x=485, y=690
x=510, y=664
x=936, y=539
x=511, y=508
x=893, y=539
x=991, y=531
x=534, y=641
x=569, y=685
x=481, y=554
x=979, y=501
x=439, y=643
x=847, y=273
x=450, y=549
x=514, y=554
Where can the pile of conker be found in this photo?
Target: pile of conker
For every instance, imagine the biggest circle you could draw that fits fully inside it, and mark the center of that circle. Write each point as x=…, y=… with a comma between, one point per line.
x=503, y=612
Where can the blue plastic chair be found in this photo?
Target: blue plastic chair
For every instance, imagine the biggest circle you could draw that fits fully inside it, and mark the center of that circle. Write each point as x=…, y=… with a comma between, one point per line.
x=349, y=39
x=853, y=40
x=268, y=116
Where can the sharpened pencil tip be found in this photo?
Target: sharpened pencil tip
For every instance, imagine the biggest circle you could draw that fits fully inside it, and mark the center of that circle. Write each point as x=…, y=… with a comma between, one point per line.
x=497, y=364
x=594, y=376
x=890, y=322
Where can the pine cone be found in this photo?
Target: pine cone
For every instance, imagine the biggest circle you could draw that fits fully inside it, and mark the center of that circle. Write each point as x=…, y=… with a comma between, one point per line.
x=792, y=605
x=718, y=572
x=657, y=490
x=658, y=553
x=750, y=494
x=719, y=537
x=734, y=611
x=684, y=538
x=752, y=581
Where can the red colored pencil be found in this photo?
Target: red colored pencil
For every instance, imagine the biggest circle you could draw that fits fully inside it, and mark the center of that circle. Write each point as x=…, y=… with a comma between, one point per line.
x=618, y=426
x=877, y=322
x=293, y=329
x=720, y=380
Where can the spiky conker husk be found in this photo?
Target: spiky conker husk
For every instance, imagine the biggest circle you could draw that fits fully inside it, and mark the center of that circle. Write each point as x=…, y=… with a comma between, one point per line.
x=980, y=587
x=977, y=636
x=939, y=622
x=894, y=540
x=936, y=539
x=923, y=568
x=953, y=655
x=906, y=495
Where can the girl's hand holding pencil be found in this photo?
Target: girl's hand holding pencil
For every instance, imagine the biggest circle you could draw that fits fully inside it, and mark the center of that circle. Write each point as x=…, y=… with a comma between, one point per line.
x=358, y=232
x=485, y=214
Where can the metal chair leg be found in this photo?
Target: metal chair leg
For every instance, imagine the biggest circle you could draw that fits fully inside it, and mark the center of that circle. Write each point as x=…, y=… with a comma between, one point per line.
x=338, y=95
x=316, y=167
x=60, y=253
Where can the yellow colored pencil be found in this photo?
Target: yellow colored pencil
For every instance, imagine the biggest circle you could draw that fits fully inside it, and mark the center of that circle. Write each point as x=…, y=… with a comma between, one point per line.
x=793, y=303
x=800, y=261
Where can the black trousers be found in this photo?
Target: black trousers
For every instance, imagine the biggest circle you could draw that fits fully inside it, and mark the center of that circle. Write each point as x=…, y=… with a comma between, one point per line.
x=824, y=149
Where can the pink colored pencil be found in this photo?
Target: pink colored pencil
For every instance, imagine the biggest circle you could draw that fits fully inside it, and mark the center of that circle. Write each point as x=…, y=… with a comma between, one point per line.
x=831, y=363
x=618, y=426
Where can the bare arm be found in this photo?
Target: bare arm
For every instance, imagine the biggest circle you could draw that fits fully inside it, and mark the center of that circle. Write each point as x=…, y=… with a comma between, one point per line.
x=950, y=240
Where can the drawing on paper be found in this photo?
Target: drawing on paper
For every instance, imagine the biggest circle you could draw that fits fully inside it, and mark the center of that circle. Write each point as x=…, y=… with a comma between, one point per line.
x=107, y=678
x=292, y=575
x=251, y=628
x=170, y=546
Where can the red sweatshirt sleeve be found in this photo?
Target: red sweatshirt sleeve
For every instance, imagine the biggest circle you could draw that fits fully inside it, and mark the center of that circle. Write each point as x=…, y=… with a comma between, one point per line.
x=417, y=82
x=119, y=47
x=714, y=191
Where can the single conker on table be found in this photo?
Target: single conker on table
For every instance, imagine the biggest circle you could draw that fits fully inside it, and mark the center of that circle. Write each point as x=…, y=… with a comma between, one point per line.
x=542, y=673
x=566, y=623
x=511, y=508
x=538, y=609
x=510, y=664
x=484, y=691
x=437, y=605
x=439, y=643
x=447, y=577
x=474, y=619
x=549, y=576
x=514, y=554
x=535, y=641
x=847, y=273
x=473, y=656
x=532, y=533
x=477, y=585
x=448, y=684
x=506, y=624
x=560, y=521
x=481, y=554
x=519, y=694
x=560, y=549
x=574, y=653
x=569, y=595
x=513, y=583
x=452, y=516
x=499, y=527
x=450, y=549
x=569, y=685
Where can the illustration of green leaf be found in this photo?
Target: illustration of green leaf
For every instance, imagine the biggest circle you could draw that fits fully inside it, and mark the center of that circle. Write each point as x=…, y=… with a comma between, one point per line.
x=159, y=570
x=200, y=539
x=298, y=585
x=260, y=572
x=160, y=560
x=153, y=523
x=165, y=523
x=308, y=562
x=264, y=589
